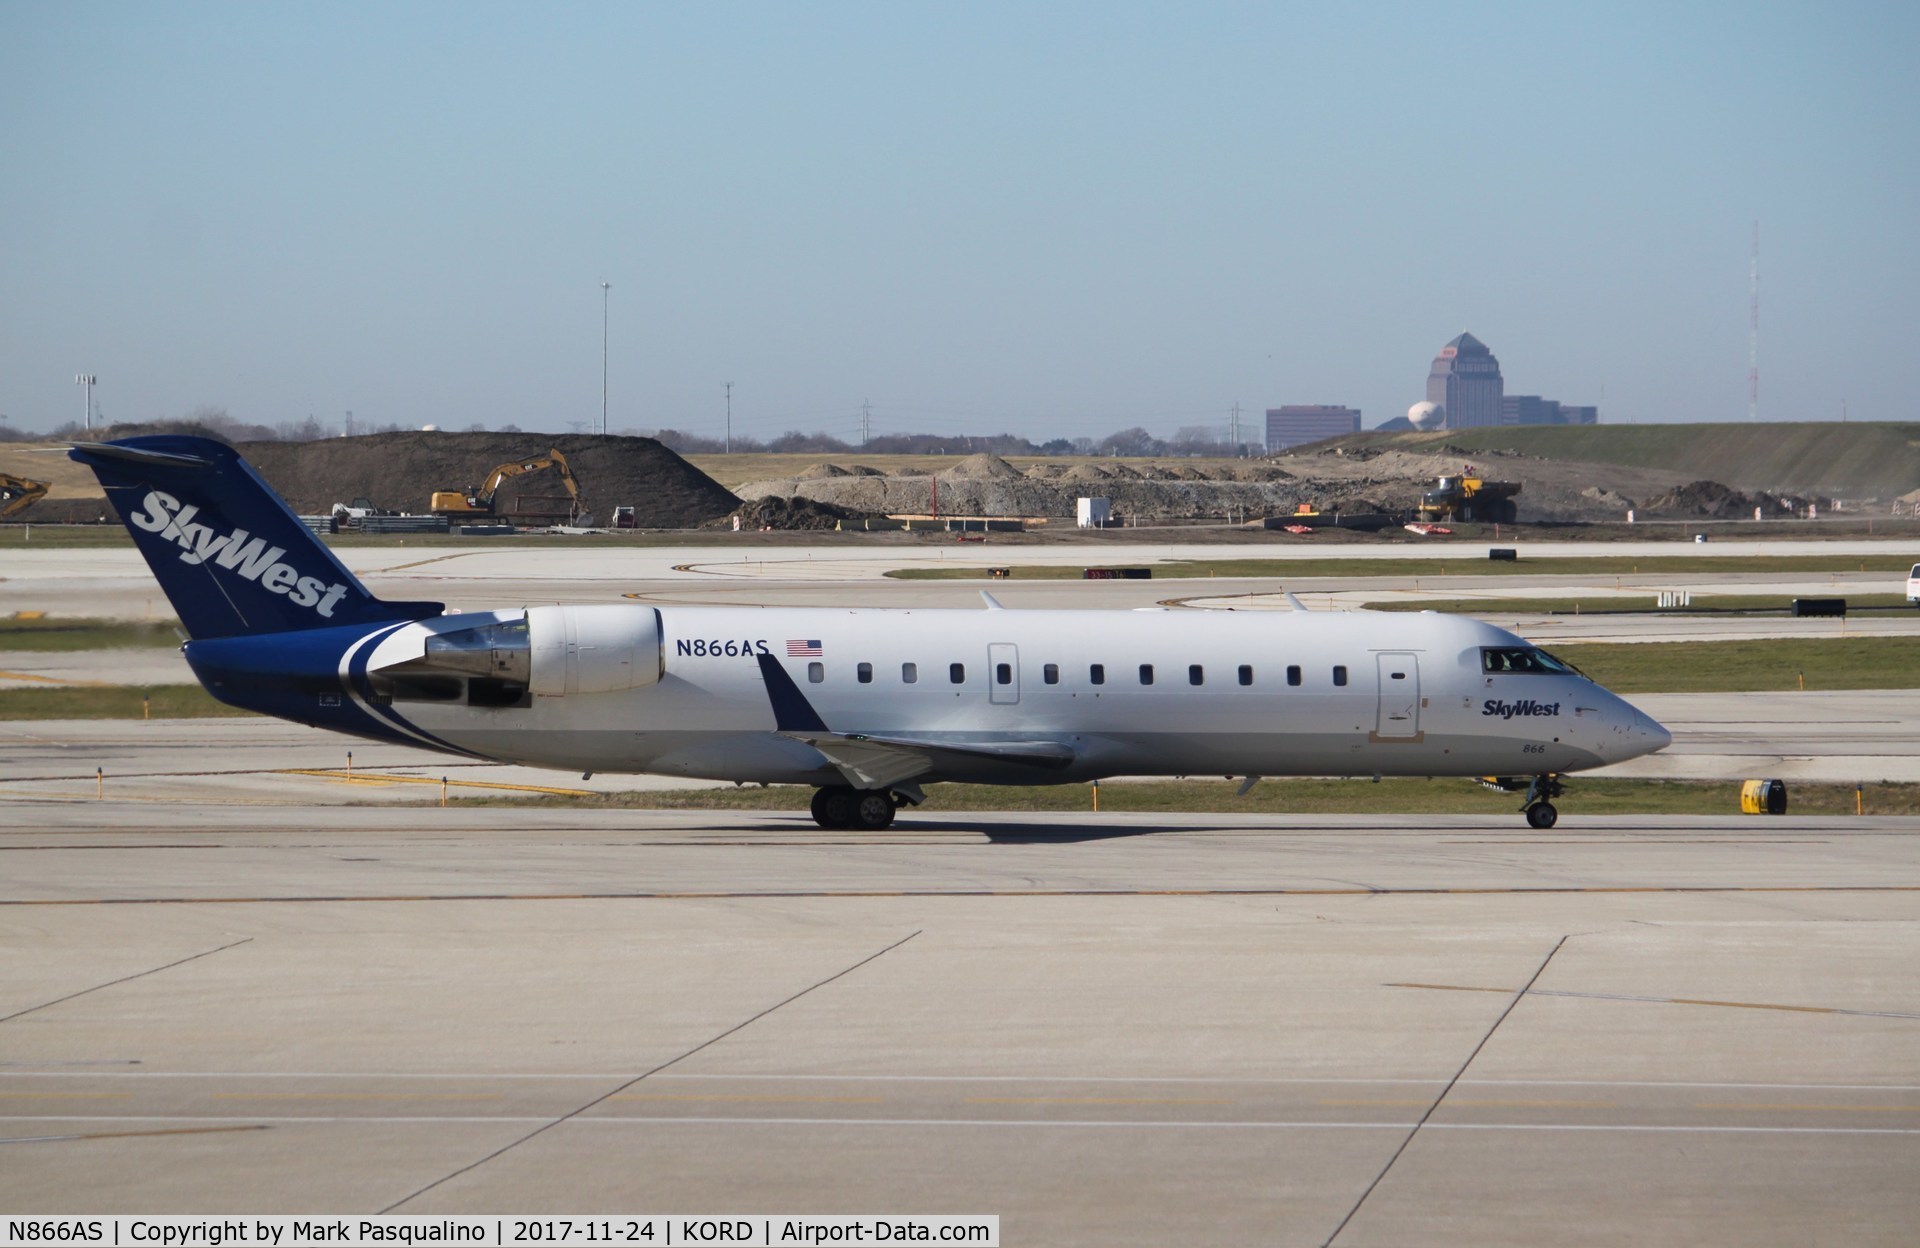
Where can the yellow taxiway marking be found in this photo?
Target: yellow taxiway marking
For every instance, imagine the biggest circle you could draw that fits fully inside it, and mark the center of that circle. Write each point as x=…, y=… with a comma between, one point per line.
x=374, y=777
x=1848, y=1109
x=56, y=680
x=1098, y=1100
x=356, y=1096
x=752, y=1097
x=1626, y=996
x=1477, y=1103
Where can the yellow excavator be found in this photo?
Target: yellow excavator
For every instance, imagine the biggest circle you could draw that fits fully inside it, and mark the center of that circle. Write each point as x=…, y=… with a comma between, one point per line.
x=17, y=494
x=480, y=501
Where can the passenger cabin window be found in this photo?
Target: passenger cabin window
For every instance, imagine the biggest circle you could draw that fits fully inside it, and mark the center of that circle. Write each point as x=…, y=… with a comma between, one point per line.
x=1339, y=675
x=1146, y=673
x=1003, y=673
x=816, y=672
x=909, y=673
x=864, y=673
x=1196, y=675
x=1293, y=676
x=957, y=673
x=1051, y=673
x=1097, y=674
x=1246, y=674
x=1503, y=660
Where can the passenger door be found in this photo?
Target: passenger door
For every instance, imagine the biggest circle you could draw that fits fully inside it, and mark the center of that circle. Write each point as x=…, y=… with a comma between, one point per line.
x=1398, y=716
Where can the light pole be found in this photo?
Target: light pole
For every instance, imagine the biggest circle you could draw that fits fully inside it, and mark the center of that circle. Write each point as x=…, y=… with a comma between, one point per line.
x=729, y=442
x=604, y=288
x=85, y=381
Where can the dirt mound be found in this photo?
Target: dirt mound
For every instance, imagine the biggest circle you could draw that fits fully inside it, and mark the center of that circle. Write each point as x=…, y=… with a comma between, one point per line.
x=820, y=472
x=402, y=470
x=981, y=467
x=788, y=513
x=1708, y=499
x=1045, y=472
x=1086, y=472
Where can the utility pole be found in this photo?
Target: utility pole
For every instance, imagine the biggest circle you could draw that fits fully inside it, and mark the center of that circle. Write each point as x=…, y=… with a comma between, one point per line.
x=1236, y=431
x=604, y=289
x=1753, y=333
x=866, y=422
x=86, y=381
x=729, y=442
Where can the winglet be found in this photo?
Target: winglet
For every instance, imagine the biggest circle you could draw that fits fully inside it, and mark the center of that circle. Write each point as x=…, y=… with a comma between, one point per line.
x=1295, y=603
x=791, y=710
x=993, y=604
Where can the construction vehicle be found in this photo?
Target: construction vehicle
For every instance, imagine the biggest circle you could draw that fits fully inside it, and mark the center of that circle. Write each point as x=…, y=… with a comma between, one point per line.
x=17, y=494
x=481, y=501
x=1469, y=497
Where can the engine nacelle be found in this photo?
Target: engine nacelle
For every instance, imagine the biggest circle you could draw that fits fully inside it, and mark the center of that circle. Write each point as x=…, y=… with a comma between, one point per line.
x=601, y=648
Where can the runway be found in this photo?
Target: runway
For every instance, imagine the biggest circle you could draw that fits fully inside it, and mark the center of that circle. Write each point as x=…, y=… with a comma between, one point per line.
x=1131, y=1030
x=236, y=976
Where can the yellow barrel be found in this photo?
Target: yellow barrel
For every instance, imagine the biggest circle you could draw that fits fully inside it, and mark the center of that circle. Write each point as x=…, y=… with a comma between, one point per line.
x=1763, y=797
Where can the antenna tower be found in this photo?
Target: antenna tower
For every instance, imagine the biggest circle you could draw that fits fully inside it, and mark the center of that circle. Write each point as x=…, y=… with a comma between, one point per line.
x=866, y=422
x=1753, y=332
x=1235, y=438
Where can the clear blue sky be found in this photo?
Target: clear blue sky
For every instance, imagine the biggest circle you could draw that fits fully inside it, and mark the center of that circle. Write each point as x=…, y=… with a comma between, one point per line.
x=1053, y=219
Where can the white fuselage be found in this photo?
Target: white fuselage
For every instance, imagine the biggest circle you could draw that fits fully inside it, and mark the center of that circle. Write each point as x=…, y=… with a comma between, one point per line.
x=681, y=691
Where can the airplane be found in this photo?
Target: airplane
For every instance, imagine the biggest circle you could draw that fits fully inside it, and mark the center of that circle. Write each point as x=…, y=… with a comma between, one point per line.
x=867, y=705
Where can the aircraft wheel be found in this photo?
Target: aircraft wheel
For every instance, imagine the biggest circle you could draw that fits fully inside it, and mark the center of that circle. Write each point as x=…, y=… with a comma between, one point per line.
x=1542, y=815
x=872, y=810
x=833, y=806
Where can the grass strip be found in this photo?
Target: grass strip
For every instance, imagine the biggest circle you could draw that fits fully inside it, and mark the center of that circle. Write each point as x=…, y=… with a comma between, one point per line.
x=113, y=702
x=1469, y=562
x=1279, y=797
x=1759, y=665
x=86, y=633
x=1642, y=603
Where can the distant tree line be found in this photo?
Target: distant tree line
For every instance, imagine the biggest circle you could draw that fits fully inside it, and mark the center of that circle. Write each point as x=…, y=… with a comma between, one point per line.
x=215, y=422
x=1193, y=440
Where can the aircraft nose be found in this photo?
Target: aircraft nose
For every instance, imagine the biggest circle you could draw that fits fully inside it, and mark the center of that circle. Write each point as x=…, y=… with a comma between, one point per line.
x=1651, y=735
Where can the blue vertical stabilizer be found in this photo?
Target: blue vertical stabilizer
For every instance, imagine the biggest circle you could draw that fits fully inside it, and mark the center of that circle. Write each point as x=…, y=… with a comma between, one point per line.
x=232, y=558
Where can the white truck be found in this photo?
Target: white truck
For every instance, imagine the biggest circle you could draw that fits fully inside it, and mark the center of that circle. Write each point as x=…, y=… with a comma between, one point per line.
x=1913, y=586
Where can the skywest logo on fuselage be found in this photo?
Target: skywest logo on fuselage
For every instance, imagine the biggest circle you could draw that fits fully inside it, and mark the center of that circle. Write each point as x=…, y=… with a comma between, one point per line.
x=1507, y=710
x=255, y=560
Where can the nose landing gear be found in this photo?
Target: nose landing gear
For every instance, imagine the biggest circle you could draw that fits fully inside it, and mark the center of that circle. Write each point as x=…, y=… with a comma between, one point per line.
x=839, y=806
x=1540, y=790
x=1539, y=806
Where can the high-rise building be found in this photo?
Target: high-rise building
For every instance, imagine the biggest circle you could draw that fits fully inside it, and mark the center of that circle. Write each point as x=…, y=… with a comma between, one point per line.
x=1465, y=380
x=1531, y=409
x=1300, y=424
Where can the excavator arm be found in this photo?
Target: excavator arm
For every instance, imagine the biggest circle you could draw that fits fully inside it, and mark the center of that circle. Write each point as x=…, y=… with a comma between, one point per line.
x=481, y=500
x=17, y=494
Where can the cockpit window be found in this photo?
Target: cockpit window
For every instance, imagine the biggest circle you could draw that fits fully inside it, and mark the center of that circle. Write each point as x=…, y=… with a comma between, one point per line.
x=1523, y=659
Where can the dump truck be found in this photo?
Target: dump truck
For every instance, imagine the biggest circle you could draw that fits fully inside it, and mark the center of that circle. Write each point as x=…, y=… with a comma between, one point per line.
x=17, y=494
x=481, y=501
x=1469, y=497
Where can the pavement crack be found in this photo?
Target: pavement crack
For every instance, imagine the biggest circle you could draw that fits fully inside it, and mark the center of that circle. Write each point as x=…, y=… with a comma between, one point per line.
x=125, y=979
x=1457, y=1075
x=611, y=1093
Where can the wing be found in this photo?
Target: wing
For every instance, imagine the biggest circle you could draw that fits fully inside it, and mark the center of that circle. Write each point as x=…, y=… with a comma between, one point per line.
x=870, y=762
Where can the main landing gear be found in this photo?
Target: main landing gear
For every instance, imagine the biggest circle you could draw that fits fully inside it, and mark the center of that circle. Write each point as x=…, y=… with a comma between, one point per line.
x=841, y=806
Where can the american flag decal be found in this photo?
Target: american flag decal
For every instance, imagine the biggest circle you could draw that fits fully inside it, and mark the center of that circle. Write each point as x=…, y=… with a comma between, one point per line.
x=803, y=649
